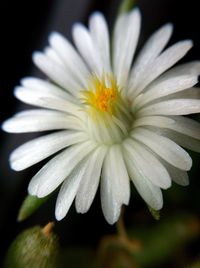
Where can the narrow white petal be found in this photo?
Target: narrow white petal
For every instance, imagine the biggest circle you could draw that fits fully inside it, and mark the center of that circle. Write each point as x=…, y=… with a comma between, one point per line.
x=189, y=68
x=190, y=93
x=46, y=88
x=40, y=148
x=71, y=59
x=185, y=126
x=99, y=32
x=126, y=34
x=177, y=175
x=157, y=121
x=179, y=124
x=61, y=105
x=69, y=189
x=166, y=87
x=89, y=184
x=40, y=120
x=118, y=36
x=149, y=165
x=151, y=194
x=152, y=48
x=57, y=169
x=115, y=189
x=55, y=72
x=51, y=54
x=162, y=63
x=172, y=107
x=119, y=173
x=45, y=100
x=87, y=49
x=164, y=147
x=183, y=140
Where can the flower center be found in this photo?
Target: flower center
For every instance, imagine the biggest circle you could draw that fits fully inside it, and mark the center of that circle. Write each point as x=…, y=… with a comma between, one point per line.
x=104, y=99
x=108, y=114
x=101, y=95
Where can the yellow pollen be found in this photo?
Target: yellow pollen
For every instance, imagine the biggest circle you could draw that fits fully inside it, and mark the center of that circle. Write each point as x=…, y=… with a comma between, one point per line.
x=100, y=96
x=104, y=99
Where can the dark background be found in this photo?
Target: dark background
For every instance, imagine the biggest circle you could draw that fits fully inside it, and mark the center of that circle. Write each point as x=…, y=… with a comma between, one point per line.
x=24, y=28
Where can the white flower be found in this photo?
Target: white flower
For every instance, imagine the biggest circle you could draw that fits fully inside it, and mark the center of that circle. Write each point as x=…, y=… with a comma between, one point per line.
x=116, y=121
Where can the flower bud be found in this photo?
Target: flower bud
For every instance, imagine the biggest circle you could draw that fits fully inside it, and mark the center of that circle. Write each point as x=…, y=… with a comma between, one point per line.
x=35, y=247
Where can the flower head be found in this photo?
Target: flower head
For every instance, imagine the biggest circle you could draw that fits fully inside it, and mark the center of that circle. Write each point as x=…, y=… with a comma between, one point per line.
x=117, y=120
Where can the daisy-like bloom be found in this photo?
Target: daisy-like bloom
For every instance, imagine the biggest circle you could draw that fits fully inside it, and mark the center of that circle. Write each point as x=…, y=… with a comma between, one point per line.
x=116, y=120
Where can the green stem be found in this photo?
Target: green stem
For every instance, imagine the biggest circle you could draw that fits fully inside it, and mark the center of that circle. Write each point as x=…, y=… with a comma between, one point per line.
x=130, y=245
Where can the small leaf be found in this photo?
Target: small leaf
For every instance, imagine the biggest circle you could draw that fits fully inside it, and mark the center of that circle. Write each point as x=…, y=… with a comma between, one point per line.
x=33, y=248
x=126, y=6
x=29, y=206
x=154, y=213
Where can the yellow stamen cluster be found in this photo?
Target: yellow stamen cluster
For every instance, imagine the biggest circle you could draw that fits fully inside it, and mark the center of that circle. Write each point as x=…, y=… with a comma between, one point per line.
x=101, y=94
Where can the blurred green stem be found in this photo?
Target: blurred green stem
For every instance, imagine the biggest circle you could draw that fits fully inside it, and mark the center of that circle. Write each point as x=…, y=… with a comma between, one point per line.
x=119, y=242
x=130, y=245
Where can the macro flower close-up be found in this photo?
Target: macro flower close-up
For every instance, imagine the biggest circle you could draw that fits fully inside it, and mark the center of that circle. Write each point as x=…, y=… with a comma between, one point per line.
x=115, y=116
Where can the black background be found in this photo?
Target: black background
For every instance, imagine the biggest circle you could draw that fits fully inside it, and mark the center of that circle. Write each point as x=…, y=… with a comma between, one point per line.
x=24, y=28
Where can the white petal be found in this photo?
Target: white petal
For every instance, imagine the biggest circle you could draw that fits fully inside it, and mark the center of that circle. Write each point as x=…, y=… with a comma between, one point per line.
x=150, y=51
x=149, y=165
x=166, y=87
x=51, y=54
x=40, y=148
x=157, y=121
x=177, y=175
x=162, y=63
x=118, y=36
x=57, y=169
x=69, y=189
x=183, y=140
x=179, y=124
x=99, y=32
x=164, y=147
x=185, y=126
x=46, y=88
x=172, y=107
x=189, y=68
x=45, y=100
x=87, y=49
x=151, y=194
x=71, y=59
x=40, y=120
x=190, y=93
x=115, y=188
x=89, y=184
x=58, y=74
x=126, y=34
x=61, y=105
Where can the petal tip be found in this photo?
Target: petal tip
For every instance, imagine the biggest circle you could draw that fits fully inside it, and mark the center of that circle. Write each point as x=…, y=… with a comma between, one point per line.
x=15, y=166
x=59, y=215
x=32, y=188
x=6, y=126
x=54, y=37
x=37, y=57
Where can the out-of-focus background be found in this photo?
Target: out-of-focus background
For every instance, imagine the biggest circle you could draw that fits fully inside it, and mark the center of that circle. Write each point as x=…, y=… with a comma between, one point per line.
x=25, y=26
